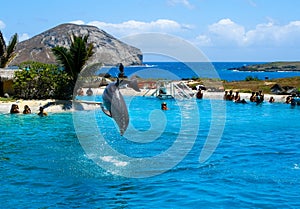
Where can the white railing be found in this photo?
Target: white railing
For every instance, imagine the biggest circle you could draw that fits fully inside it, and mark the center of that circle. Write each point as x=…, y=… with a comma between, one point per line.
x=182, y=91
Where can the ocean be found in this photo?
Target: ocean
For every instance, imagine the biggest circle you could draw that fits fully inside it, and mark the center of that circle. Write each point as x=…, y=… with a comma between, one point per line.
x=197, y=154
x=178, y=70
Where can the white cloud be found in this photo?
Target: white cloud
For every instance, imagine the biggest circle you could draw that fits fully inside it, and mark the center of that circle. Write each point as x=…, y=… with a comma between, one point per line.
x=203, y=40
x=2, y=24
x=185, y=3
x=228, y=33
x=134, y=27
x=23, y=37
x=226, y=30
x=78, y=22
x=275, y=35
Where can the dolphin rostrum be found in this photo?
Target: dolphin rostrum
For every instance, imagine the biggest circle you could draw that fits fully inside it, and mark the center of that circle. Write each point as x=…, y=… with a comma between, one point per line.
x=114, y=105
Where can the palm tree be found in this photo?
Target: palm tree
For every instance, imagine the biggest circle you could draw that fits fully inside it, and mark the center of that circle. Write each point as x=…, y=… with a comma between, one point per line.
x=7, y=52
x=74, y=58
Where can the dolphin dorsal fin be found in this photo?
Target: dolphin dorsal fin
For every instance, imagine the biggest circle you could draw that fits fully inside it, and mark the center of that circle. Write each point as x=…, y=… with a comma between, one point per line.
x=118, y=82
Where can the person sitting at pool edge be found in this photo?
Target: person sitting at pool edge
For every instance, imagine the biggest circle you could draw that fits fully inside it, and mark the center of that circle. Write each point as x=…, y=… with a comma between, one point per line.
x=41, y=112
x=26, y=110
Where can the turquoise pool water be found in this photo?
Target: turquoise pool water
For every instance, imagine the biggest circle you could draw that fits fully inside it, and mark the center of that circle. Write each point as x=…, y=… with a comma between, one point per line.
x=255, y=165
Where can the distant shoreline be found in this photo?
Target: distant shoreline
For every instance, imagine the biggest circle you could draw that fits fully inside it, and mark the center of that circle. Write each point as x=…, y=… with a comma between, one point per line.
x=270, y=67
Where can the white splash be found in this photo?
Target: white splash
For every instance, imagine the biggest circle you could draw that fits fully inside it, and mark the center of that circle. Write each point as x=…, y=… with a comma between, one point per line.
x=296, y=166
x=114, y=161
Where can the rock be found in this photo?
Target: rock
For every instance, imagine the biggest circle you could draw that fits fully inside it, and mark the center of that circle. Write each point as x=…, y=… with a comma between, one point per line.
x=108, y=49
x=277, y=89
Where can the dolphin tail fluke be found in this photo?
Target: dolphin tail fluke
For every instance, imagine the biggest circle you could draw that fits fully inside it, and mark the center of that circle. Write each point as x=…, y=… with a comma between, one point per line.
x=134, y=85
x=131, y=84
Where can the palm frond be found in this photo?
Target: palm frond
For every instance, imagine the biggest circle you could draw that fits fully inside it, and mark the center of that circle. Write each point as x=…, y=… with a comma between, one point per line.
x=76, y=56
x=2, y=45
x=90, y=50
x=63, y=56
x=7, y=53
x=12, y=45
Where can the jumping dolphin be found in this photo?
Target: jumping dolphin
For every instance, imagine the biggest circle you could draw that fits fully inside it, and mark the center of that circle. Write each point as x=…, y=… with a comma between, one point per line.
x=114, y=105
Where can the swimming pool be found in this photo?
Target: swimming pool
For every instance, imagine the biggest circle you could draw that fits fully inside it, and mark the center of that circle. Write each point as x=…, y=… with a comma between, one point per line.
x=256, y=162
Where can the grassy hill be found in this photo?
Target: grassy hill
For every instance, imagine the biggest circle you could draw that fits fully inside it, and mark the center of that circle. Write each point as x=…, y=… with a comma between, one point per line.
x=271, y=67
x=264, y=85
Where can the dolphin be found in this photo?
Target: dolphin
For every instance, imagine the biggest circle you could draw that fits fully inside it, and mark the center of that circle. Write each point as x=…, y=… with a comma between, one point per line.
x=114, y=105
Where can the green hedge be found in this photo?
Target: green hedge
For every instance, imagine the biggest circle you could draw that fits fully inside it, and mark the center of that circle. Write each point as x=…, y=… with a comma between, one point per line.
x=42, y=81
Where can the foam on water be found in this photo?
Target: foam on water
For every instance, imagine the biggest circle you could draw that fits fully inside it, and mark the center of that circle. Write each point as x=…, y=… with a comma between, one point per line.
x=114, y=161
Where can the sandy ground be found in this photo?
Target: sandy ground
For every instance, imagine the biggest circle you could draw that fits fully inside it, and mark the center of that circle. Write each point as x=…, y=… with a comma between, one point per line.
x=63, y=106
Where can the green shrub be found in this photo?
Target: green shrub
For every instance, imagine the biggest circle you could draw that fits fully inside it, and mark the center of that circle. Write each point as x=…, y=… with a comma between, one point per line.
x=42, y=81
x=251, y=78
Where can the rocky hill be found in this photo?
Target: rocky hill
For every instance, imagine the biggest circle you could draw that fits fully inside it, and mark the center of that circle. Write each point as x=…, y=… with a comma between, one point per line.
x=108, y=50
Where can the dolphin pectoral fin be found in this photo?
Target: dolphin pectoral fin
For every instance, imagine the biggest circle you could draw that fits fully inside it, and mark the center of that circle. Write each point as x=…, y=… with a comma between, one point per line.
x=105, y=111
x=119, y=112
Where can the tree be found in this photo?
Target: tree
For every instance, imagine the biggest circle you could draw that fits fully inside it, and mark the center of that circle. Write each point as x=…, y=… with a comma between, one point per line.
x=7, y=52
x=74, y=58
x=41, y=81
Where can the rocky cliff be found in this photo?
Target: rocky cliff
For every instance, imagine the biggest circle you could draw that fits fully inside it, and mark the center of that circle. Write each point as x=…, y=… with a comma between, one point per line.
x=108, y=50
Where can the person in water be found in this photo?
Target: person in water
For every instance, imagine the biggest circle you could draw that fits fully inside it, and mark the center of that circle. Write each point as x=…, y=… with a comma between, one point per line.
x=199, y=94
x=89, y=92
x=271, y=100
x=26, y=110
x=80, y=92
x=288, y=99
x=252, y=97
x=14, y=109
x=262, y=96
x=230, y=96
x=225, y=95
x=259, y=98
x=164, y=106
x=42, y=112
x=243, y=101
x=237, y=97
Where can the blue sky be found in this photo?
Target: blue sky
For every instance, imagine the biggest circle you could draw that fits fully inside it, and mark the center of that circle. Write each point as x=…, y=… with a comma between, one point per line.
x=224, y=30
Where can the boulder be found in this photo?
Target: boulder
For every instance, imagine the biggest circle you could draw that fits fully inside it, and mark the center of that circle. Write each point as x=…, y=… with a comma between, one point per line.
x=277, y=89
